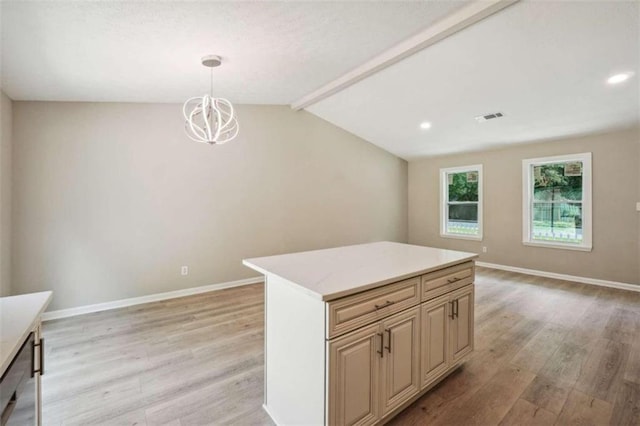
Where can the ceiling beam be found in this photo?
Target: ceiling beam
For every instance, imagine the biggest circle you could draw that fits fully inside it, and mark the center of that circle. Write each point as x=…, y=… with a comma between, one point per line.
x=442, y=29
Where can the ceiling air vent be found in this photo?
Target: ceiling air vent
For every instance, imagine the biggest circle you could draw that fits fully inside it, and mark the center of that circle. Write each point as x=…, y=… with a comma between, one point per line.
x=483, y=118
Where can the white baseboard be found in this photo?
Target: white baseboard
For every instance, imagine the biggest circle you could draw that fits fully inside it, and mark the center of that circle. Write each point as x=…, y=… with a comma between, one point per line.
x=584, y=280
x=265, y=408
x=71, y=312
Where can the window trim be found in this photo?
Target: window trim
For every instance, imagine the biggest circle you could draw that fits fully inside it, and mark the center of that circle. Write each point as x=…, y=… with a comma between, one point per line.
x=587, y=196
x=444, y=193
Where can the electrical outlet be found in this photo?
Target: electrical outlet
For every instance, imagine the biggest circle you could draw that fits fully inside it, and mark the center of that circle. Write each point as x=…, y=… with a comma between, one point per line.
x=638, y=207
x=184, y=270
x=484, y=249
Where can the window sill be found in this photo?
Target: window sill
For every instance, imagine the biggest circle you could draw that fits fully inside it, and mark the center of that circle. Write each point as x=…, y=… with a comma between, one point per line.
x=558, y=246
x=462, y=237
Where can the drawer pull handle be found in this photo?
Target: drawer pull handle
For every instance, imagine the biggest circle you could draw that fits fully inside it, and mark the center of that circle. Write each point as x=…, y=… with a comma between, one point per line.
x=453, y=280
x=40, y=346
x=381, y=351
x=385, y=304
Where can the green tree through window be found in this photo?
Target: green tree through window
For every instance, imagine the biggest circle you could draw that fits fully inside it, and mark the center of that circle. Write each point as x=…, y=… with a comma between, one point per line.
x=461, y=202
x=557, y=202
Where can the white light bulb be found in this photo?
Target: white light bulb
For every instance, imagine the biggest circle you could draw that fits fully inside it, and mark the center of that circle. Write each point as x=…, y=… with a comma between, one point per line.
x=425, y=125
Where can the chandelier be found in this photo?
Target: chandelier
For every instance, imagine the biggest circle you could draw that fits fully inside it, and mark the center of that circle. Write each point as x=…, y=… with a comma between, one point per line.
x=208, y=119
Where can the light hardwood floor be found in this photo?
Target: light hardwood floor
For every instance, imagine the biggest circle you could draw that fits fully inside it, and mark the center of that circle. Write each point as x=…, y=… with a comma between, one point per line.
x=547, y=352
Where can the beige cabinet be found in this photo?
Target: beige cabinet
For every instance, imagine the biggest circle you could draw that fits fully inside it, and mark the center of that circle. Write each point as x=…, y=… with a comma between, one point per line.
x=355, y=311
x=401, y=359
x=435, y=339
x=354, y=377
x=461, y=326
x=335, y=356
x=374, y=370
x=447, y=333
x=446, y=280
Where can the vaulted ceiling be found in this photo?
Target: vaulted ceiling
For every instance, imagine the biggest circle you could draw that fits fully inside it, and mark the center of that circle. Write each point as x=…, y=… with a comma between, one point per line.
x=544, y=65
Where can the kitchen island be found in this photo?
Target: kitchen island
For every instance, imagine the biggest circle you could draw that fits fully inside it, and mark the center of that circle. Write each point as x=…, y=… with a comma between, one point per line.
x=355, y=334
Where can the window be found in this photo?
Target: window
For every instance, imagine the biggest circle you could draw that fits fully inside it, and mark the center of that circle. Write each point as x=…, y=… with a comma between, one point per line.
x=556, y=201
x=461, y=202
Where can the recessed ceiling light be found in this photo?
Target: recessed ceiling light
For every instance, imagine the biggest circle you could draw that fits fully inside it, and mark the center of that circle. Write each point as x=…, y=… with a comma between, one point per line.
x=619, y=78
x=425, y=125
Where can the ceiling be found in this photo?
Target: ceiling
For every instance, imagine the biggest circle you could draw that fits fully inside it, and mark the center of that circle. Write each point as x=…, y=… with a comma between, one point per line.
x=273, y=52
x=544, y=65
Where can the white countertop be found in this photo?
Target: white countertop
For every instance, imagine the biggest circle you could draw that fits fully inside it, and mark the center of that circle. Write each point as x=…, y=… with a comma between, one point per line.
x=332, y=273
x=18, y=316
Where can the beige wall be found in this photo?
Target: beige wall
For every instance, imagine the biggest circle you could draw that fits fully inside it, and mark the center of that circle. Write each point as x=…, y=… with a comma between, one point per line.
x=616, y=249
x=111, y=199
x=5, y=194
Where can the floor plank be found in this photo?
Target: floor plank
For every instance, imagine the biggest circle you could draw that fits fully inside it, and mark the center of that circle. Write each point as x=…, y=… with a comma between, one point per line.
x=632, y=370
x=582, y=409
x=537, y=351
x=602, y=372
x=627, y=407
x=524, y=413
x=547, y=393
x=565, y=364
x=491, y=402
x=623, y=326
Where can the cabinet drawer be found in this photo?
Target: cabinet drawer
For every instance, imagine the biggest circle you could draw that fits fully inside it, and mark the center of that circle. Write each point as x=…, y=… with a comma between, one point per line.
x=446, y=280
x=351, y=312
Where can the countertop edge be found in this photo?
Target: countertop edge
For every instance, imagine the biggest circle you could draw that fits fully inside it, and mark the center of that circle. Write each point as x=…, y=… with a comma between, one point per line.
x=266, y=273
x=359, y=289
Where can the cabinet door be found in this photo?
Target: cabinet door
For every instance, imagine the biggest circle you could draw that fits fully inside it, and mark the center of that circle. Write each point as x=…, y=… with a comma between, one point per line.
x=400, y=379
x=462, y=323
x=22, y=386
x=354, y=361
x=435, y=339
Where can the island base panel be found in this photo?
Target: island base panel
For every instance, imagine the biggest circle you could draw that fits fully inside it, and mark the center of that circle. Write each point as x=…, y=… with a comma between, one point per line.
x=294, y=354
